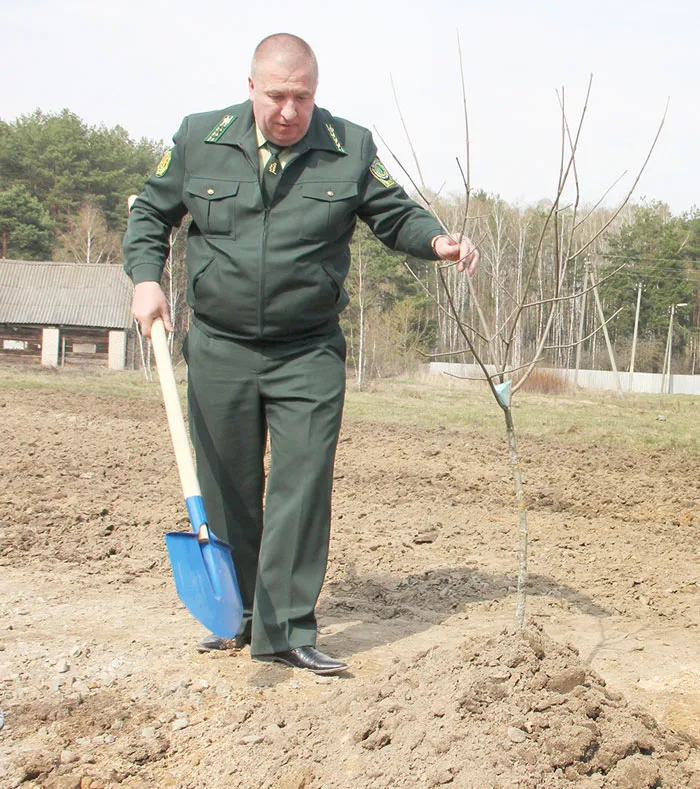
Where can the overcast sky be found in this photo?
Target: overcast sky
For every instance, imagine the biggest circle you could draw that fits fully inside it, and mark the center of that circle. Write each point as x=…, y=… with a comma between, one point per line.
x=144, y=64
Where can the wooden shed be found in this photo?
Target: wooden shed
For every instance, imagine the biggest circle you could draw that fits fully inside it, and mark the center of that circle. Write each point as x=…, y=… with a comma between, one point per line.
x=66, y=314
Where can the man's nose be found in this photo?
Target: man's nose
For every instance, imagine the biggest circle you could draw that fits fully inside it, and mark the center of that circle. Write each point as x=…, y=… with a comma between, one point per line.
x=289, y=111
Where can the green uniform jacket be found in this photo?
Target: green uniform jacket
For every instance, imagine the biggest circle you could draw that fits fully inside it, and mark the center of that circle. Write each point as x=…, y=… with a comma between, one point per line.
x=277, y=272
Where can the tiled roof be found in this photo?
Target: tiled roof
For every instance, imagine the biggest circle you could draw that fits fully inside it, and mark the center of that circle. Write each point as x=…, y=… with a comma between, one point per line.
x=64, y=294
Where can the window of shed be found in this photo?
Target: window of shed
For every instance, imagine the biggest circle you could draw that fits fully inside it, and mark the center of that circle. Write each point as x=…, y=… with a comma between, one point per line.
x=84, y=347
x=15, y=345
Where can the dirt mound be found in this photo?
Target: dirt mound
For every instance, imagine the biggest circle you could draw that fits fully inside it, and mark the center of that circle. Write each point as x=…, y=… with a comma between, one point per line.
x=513, y=710
x=517, y=709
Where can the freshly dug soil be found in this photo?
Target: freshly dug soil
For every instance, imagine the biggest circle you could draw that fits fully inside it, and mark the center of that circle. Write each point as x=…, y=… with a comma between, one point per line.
x=101, y=685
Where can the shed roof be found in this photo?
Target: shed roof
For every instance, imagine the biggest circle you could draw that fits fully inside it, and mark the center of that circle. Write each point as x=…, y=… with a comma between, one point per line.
x=65, y=294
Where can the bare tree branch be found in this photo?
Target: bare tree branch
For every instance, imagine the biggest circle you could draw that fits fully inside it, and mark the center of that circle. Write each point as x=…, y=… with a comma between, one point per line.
x=442, y=309
x=602, y=197
x=587, y=337
x=408, y=136
x=421, y=192
x=632, y=188
x=530, y=275
x=467, y=178
x=579, y=293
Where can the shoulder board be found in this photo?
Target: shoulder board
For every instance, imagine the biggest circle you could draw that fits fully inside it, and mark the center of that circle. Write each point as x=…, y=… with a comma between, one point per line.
x=220, y=128
x=334, y=137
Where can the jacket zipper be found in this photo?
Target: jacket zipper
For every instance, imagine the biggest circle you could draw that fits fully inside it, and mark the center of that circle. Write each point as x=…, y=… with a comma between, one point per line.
x=261, y=291
x=266, y=217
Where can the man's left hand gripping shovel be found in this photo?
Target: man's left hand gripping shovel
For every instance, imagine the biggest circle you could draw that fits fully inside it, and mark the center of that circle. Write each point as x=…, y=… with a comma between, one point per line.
x=202, y=565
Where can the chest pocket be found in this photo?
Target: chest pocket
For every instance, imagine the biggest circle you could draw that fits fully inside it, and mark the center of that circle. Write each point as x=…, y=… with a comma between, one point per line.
x=212, y=203
x=328, y=209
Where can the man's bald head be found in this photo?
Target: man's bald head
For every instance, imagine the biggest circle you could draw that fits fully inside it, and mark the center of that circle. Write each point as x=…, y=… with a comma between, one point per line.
x=282, y=88
x=283, y=49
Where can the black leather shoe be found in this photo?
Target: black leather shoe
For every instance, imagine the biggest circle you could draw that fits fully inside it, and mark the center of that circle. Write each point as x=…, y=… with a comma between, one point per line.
x=212, y=642
x=305, y=657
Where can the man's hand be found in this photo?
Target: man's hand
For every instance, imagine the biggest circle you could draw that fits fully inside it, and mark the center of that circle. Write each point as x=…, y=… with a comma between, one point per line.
x=464, y=253
x=148, y=304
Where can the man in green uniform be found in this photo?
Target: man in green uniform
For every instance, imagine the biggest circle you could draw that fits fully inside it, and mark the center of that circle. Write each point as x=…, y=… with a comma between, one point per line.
x=274, y=187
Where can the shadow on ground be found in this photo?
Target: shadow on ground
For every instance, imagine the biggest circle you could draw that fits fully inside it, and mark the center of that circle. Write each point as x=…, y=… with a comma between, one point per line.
x=372, y=610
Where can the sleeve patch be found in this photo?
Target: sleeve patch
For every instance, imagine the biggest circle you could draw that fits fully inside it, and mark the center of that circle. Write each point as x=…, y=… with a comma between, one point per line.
x=164, y=163
x=381, y=173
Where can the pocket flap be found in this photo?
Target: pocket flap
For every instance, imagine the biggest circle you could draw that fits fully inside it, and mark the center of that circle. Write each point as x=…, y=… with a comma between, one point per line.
x=211, y=188
x=330, y=192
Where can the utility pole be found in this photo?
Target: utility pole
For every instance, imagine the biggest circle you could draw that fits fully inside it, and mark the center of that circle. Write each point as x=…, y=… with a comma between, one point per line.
x=581, y=323
x=634, y=335
x=666, y=385
x=601, y=315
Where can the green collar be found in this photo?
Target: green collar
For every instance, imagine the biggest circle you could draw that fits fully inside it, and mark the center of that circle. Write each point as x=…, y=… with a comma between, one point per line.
x=237, y=127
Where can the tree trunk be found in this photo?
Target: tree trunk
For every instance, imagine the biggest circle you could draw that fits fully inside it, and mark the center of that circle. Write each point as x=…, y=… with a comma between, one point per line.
x=522, y=512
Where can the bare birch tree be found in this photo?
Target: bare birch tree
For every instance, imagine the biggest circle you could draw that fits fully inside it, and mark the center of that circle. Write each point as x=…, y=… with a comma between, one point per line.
x=88, y=239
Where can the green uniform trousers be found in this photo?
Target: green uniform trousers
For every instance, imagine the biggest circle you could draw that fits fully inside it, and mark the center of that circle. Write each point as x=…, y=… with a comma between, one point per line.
x=239, y=393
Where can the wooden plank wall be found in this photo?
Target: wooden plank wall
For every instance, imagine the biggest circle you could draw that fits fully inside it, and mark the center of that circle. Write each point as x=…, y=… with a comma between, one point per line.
x=29, y=337
x=78, y=347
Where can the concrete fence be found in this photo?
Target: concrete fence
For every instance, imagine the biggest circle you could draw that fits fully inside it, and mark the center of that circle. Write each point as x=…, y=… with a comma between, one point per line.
x=649, y=383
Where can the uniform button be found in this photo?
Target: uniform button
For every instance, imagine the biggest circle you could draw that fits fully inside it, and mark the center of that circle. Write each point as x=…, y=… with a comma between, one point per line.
x=330, y=193
x=210, y=191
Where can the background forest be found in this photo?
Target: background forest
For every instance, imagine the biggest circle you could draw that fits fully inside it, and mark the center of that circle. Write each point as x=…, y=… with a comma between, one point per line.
x=63, y=190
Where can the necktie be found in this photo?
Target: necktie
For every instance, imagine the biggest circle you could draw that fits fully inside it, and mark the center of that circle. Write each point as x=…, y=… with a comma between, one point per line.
x=271, y=172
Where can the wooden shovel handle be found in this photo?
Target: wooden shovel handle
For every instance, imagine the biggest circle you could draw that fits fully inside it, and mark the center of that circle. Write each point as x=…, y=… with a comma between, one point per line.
x=171, y=398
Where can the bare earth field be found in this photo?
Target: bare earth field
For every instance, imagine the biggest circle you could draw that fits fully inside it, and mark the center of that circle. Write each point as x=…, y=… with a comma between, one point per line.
x=100, y=684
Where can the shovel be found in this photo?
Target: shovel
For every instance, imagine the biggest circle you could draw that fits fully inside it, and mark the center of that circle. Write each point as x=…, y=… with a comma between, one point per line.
x=202, y=565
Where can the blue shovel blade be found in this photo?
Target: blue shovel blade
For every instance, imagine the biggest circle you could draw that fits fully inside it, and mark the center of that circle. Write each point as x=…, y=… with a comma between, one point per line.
x=206, y=581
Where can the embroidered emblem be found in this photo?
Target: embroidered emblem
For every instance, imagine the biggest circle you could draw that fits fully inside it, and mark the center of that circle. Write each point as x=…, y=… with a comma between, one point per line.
x=273, y=167
x=220, y=128
x=334, y=137
x=164, y=163
x=381, y=173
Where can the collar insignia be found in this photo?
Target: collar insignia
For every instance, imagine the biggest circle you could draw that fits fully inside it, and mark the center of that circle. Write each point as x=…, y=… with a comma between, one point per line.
x=334, y=137
x=220, y=128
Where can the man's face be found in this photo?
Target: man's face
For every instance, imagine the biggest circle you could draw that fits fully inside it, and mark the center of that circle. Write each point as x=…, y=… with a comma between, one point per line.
x=283, y=101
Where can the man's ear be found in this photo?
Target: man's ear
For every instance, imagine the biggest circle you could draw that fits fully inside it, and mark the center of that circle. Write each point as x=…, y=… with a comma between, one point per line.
x=251, y=88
